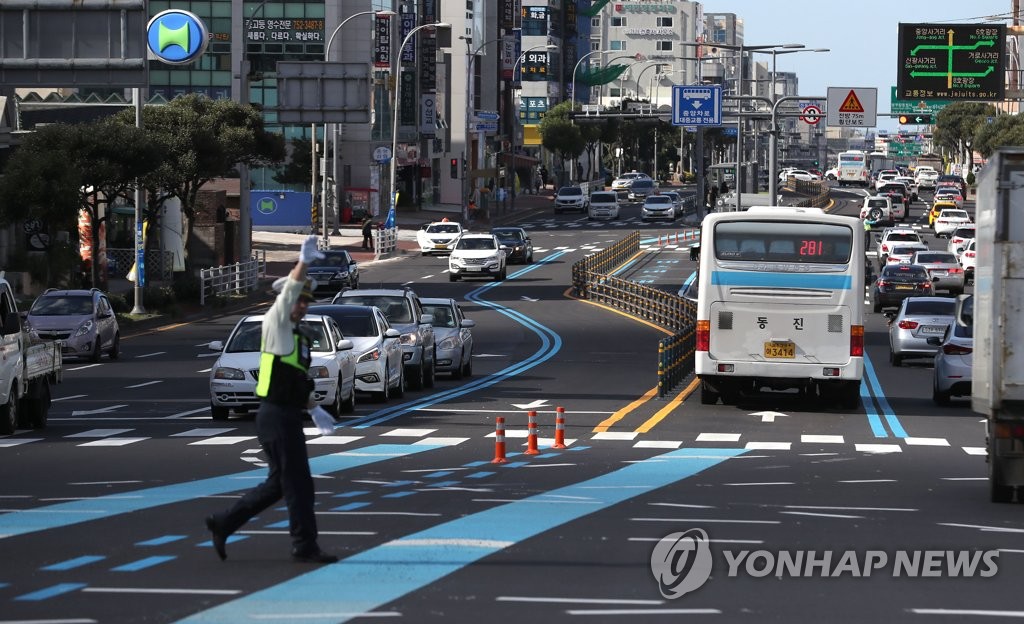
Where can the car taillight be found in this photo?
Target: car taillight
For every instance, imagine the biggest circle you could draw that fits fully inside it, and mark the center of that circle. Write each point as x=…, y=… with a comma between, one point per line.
x=954, y=349
x=857, y=341
x=905, y=324
x=882, y=282
x=956, y=270
x=703, y=336
x=969, y=254
x=885, y=247
x=925, y=285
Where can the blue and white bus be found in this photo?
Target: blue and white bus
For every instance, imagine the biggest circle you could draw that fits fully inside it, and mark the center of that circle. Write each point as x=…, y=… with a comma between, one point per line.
x=852, y=168
x=780, y=304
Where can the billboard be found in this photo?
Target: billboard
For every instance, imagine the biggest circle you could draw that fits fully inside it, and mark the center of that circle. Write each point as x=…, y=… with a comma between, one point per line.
x=951, y=62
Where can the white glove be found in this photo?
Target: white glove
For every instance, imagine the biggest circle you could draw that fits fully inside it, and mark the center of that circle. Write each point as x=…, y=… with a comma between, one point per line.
x=308, y=253
x=323, y=421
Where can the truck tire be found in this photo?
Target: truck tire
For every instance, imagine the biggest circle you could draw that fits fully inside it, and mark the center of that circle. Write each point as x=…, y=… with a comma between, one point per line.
x=997, y=491
x=37, y=405
x=707, y=395
x=9, y=413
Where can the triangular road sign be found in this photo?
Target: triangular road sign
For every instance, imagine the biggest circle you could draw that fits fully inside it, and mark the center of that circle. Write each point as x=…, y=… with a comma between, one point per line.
x=851, y=104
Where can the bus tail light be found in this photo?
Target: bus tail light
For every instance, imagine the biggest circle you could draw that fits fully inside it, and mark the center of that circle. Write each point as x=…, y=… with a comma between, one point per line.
x=703, y=336
x=830, y=372
x=857, y=341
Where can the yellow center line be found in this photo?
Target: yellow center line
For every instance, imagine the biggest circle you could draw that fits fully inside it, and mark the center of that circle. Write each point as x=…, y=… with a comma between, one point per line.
x=619, y=415
x=665, y=411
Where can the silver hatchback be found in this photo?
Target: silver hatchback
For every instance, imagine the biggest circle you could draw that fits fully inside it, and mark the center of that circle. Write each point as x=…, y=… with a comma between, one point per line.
x=943, y=269
x=918, y=319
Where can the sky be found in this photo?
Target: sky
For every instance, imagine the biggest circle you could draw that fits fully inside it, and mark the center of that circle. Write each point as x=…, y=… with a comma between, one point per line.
x=862, y=36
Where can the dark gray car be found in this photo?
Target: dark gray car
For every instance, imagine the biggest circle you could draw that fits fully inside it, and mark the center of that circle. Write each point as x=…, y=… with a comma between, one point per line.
x=943, y=269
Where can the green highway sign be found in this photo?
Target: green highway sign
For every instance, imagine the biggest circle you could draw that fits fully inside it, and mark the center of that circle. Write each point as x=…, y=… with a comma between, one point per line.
x=914, y=107
x=950, y=61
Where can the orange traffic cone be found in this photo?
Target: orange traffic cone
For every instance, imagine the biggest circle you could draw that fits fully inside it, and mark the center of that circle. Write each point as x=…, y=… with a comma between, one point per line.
x=499, y=441
x=531, y=433
x=559, y=428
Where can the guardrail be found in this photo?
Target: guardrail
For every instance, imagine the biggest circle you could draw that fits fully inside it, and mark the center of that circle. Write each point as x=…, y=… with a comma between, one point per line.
x=233, y=279
x=159, y=264
x=385, y=242
x=591, y=280
x=816, y=192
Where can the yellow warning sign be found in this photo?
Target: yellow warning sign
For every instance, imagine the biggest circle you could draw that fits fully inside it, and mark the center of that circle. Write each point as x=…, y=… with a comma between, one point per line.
x=851, y=104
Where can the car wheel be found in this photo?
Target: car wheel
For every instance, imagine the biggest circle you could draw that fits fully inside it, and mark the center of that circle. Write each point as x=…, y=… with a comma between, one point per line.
x=457, y=368
x=875, y=214
x=895, y=359
x=415, y=380
x=939, y=397
x=707, y=395
x=529, y=259
x=400, y=386
x=218, y=413
x=349, y=405
x=430, y=373
x=9, y=413
x=334, y=409
x=115, y=349
x=384, y=395
x=453, y=277
x=96, y=352
x=467, y=369
x=877, y=306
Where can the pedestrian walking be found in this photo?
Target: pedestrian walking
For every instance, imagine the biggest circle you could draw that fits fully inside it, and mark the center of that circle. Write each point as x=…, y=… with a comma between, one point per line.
x=368, y=233
x=285, y=390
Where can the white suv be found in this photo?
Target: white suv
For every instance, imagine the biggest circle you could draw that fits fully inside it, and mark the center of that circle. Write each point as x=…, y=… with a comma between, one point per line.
x=570, y=198
x=895, y=236
x=604, y=205
x=477, y=255
x=877, y=209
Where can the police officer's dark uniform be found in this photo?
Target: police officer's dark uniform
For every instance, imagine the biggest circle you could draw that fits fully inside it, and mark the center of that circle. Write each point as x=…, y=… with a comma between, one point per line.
x=284, y=387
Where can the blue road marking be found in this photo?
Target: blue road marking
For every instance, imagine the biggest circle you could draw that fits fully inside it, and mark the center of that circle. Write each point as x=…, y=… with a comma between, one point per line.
x=480, y=475
x=50, y=592
x=71, y=564
x=142, y=564
x=398, y=484
x=237, y=538
x=351, y=506
x=869, y=408
x=883, y=403
x=444, y=484
x=476, y=464
x=73, y=512
x=515, y=464
x=438, y=474
x=160, y=541
x=379, y=576
x=398, y=494
x=352, y=494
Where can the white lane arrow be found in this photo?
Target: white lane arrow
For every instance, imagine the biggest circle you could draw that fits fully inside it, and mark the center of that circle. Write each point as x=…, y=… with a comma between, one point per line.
x=768, y=416
x=525, y=298
x=532, y=405
x=102, y=410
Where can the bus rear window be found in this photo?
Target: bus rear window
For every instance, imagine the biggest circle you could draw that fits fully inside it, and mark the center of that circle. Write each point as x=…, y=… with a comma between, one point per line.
x=775, y=241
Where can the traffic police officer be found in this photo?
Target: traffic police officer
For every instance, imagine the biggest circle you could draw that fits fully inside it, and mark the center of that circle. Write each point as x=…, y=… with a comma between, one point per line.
x=285, y=389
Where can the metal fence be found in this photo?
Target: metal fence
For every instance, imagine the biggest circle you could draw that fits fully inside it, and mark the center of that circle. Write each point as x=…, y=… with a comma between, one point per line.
x=591, y=280
x=159, y=264
x=233, y=279
x=385, y=242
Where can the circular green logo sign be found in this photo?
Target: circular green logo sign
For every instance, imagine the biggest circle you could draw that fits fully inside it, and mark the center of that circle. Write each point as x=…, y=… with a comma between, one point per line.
x=177, y=37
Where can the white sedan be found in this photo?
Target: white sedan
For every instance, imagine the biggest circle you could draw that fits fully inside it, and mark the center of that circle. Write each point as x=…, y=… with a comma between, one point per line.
x=949, y=220
x=379, y=362
x=438, y=237
x=234, y=375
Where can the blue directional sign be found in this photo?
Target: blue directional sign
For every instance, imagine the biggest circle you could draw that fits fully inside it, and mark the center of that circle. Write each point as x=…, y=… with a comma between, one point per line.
x=697, y=106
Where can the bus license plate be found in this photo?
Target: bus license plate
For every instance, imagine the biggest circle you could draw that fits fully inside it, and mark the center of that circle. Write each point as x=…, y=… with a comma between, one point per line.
x=779, y=350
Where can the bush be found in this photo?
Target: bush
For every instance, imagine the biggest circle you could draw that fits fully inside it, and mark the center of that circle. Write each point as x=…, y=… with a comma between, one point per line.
x=186, y=287
x=970, y=179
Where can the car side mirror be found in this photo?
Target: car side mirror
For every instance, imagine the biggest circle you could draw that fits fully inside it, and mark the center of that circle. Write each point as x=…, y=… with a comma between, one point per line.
x=467, y=323
x=344, y=345
x=890, y=315
x=12, y=323
x=427, y=319
x=216, y=345
x=392, y=333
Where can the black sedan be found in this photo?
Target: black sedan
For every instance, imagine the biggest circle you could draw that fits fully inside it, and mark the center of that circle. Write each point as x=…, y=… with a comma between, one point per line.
x=336, y=270
x=520, y=247
x=899, y=281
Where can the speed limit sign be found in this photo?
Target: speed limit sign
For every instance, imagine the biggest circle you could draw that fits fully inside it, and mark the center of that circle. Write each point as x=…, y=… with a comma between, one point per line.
x=808, y=112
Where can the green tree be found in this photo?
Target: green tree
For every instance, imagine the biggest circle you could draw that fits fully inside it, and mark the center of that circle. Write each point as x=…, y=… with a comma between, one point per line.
x=1004, y=130
x=559, y=135
x=61, y=169
x=956, y=125
x=202, y=139
x=299, y=168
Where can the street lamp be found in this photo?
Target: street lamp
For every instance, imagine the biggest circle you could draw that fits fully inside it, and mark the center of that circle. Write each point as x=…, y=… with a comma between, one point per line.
x=470, y=59
x=515, y=120
x=773, y=134
x=394, y=125
x=330, y=132
x=572, y=107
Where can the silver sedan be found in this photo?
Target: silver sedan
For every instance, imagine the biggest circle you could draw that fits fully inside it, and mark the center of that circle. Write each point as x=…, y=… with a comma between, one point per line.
x=943, y=269
x=453, y=336
x=918, y=319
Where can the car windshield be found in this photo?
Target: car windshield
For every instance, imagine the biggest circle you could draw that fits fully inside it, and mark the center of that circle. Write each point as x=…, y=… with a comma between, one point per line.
x=947, y=190
x=659, y=199
x=395, y=309
x=443, y=314
x=443, y=228
x=901, y=236
x=357, y=326
x=936, y=258
x=570, y=190
x=509, y=235
x=931, y=307
x=332, y=259
x=248, y=336
x=906, y=251
x=62, y=306
x=639, y=184
x=603, y=198
x=475, y=244
x=879, y=203
x=953, y=214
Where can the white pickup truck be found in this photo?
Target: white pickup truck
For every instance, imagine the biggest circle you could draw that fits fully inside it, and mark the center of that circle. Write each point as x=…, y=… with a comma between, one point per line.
x=27, y=368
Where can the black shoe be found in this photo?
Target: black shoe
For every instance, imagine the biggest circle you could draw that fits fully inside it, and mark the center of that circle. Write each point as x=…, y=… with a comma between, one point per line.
x=313, y=556
x=219, y=537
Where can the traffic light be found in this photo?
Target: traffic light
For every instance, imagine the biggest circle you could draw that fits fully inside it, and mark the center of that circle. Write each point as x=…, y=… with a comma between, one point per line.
x=915, y=120
x=455, y=168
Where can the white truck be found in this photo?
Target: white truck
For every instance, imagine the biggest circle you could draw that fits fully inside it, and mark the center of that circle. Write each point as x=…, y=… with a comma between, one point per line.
x=997, y=388
x=27, y=368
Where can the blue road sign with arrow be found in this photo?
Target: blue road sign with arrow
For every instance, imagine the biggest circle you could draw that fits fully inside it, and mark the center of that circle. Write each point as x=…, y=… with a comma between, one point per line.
x=697, y=106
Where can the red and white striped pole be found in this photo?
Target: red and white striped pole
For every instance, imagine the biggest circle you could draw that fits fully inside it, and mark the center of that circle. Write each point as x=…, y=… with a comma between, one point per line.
x=559, y=428
x=499, y=441
x=531, y=433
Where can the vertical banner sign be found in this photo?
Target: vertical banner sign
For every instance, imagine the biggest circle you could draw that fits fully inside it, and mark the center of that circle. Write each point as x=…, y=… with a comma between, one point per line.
x=428, y=114
x=409, y=51
x=408, y=103
x=517, y=79
x=428, y=64
x=140, y=254
x=382, y=41
x=428, y=9
x=508, y=56
x=506, y=15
